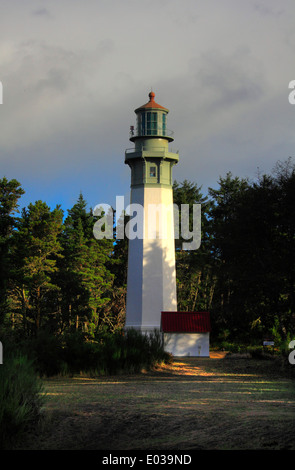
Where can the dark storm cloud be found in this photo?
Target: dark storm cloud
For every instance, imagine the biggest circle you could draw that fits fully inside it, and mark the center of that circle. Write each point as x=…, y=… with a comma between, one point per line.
x=73, y=73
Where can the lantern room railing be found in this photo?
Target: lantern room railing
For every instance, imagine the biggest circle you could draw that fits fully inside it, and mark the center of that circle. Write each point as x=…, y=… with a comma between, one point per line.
x=158, y=150
x=149, y=132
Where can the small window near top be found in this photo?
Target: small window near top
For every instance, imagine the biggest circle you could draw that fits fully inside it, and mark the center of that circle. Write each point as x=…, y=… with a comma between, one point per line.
x=153, y=171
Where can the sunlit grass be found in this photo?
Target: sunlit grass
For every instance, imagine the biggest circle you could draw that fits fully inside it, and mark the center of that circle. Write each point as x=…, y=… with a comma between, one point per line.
x=189, y=403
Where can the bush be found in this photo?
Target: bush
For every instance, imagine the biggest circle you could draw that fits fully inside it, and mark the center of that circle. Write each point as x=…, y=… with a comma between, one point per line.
x=129, y=352
x=106, y=353
x=256, y=352
x=79, y=353
x=232, y=347
x=144, y=350
x=20, y=397
x=46, y=351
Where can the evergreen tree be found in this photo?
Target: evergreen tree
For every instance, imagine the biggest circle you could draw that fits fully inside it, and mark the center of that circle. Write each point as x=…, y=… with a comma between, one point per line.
x=229, y=273
x=84, y=277
x=36, y=248
x=284, y=215
x=114, y=312
x=194, y=273
x=254, y=234
x=10, y=192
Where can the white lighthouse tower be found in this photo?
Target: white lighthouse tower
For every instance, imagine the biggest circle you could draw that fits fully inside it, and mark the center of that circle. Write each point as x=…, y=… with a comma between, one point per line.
x=151, y=282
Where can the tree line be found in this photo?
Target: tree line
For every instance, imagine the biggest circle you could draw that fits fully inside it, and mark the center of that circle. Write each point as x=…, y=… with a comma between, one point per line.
x=56, y=276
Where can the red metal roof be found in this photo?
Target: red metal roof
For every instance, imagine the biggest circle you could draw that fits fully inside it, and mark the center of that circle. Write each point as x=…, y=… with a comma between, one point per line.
x=151, y=104
x=185, y=322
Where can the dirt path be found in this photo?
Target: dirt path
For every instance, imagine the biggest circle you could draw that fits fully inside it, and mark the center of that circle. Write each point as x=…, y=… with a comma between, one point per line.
x=194, y=403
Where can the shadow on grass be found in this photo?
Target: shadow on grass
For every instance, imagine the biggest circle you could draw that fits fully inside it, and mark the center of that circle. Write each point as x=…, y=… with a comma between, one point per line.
x=192, y=403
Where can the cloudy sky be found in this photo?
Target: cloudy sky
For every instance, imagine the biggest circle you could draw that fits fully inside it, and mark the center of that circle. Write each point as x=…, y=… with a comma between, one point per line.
x=73, y=71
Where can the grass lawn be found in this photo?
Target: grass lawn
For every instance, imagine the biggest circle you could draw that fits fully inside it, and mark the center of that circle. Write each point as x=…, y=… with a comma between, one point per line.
x=223, y=403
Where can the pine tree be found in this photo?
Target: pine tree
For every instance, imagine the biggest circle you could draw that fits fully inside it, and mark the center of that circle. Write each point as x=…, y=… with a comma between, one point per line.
x=10, y=192
x=193, y=268
x=253, y=228
x=36, y=248
x=84, y=277
x=226, y=206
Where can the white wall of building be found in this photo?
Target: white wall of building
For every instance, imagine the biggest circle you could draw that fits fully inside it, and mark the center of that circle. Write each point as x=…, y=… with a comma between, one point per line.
x=187, y=344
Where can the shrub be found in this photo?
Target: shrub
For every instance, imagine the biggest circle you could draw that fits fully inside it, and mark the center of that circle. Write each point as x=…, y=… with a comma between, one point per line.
x=20, y=397
x=129, y=352
x=143, y=350
x=232, y=347
x=46, y=351
x=256, y=352
x=105, y=353
x=79, y=353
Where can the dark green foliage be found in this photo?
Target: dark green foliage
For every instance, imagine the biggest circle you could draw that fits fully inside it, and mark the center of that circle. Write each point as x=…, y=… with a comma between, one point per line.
x=84, y=276
x=45, y=350
x=10, y=192
x=132, y=351
x=253, y=232
x=21, y=398
x=35, y=249
x=113, y=353
x=105, y=353
x=80, y=353
x=244, y=270
x=194, y=268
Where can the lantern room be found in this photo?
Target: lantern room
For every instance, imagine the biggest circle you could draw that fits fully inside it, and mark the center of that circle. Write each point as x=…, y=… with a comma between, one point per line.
x=151, y=121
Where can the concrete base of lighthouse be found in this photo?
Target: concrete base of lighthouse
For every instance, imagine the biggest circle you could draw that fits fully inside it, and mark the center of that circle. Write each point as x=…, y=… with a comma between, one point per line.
x=151, y=283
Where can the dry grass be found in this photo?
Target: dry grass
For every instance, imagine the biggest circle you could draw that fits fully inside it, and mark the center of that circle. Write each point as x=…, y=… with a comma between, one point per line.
x=193, y=403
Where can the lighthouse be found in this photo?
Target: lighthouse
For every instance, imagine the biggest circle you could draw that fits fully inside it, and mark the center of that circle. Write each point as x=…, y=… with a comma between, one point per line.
x=151, y=280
